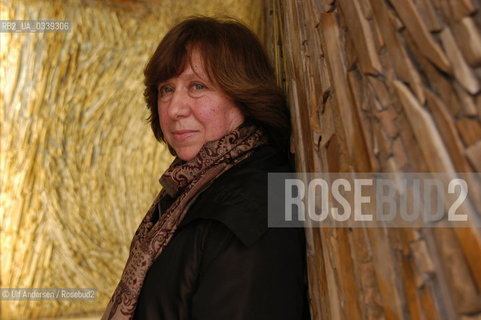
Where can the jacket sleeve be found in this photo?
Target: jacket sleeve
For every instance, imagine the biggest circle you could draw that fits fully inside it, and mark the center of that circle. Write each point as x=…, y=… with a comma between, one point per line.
x=265, y=280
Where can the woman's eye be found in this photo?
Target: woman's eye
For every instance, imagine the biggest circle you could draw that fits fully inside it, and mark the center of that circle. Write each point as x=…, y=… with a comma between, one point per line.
x=165, y=90
x=199, y=86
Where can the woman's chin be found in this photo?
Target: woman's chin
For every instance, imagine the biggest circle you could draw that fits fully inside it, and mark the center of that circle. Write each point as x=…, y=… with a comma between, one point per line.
x=187, y=154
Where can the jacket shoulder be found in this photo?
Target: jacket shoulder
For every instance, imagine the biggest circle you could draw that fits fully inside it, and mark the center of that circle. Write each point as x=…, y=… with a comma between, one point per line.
x=239, y=198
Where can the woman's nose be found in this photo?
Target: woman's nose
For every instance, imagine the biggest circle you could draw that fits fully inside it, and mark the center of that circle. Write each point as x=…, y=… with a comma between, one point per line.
x=179, y=105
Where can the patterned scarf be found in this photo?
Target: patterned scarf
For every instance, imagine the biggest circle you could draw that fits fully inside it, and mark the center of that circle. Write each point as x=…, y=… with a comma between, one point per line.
x=183, y=181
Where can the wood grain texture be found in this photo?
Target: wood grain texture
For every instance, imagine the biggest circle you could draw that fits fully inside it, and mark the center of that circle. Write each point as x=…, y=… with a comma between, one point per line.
x=397, y=90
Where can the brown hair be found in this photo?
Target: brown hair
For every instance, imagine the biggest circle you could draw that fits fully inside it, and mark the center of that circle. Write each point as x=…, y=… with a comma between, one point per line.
x=235, y=60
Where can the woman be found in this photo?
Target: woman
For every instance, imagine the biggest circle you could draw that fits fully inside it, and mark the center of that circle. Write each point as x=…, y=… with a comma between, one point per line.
x=203, y=251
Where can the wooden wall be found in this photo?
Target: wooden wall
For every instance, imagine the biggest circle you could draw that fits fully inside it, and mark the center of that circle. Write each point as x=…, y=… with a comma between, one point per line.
x=385, y=86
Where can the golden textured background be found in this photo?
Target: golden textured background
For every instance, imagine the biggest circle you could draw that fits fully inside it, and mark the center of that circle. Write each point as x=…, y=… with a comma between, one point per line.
x=79, y=164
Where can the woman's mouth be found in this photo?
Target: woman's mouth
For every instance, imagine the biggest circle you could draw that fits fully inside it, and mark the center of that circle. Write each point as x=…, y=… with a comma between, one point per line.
x=181, y=135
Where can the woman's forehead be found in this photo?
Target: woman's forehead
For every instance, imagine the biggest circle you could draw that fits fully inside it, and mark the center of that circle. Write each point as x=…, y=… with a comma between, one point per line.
x=192, y=72
x=196, y=61
x=193, y=66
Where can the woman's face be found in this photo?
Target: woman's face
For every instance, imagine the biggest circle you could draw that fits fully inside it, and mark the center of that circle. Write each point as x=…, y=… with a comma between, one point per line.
x=193, y=110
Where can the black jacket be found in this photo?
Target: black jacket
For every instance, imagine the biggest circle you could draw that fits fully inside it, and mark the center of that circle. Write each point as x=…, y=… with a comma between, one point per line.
x=223, y=262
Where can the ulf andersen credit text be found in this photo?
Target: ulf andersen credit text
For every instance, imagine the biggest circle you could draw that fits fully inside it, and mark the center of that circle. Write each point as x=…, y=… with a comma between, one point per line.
x=35, y=294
